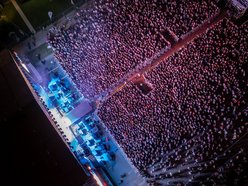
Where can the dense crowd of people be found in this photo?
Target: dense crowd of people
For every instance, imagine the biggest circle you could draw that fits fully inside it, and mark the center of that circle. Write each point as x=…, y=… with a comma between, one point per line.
x=110, y=38
x=192, y=124
x=186, y=127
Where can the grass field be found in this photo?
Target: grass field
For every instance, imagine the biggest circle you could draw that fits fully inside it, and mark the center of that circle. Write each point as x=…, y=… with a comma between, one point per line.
x=37, y=13
x=9, y=14
x=37, y=10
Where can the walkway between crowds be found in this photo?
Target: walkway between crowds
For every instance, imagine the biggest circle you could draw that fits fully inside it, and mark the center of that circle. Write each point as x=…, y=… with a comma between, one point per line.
x=165, y=54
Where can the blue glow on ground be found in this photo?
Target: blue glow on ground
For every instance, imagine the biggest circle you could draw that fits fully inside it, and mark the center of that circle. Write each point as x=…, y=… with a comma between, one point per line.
x=54, y=93
x=82, y=129
x=61, y=95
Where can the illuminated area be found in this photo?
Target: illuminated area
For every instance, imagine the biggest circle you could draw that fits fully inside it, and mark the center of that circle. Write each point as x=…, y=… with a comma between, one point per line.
x=150, y=92
x=61, y=94
x=58, y=100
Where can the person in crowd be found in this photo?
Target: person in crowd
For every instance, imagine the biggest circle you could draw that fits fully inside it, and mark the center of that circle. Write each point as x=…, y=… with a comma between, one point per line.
x=187, y=125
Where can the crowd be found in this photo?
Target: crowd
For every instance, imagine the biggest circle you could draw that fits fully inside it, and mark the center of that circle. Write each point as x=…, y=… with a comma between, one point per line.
x=193, y=124
x=110, y=38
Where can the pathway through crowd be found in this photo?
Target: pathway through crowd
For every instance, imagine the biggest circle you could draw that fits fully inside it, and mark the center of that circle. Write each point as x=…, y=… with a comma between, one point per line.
x=174, y=48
